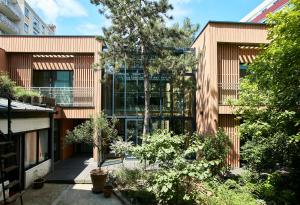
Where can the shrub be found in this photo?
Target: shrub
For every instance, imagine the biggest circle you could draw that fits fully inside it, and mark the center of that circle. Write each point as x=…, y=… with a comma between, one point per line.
x=229, y=193
x=178, y=174
x=7, y=87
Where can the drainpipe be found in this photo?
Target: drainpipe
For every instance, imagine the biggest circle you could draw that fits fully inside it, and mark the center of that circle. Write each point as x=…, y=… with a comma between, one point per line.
x=51, y=135
x=9, y=132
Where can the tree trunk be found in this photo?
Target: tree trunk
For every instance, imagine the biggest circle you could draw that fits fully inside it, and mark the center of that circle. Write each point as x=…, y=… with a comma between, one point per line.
x=147, y=116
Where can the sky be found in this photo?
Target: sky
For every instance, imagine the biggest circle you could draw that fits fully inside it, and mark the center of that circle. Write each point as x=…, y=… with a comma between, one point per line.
x=80, y=17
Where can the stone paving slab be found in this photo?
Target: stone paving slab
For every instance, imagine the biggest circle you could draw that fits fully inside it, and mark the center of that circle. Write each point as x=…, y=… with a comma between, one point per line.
x=66, y=194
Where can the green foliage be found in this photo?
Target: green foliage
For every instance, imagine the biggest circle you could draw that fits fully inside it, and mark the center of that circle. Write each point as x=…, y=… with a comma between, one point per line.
x=121, y=147
x=229, y=193
x=269, y=98
x=133, y=184
x=97, y=131
x=140, y=34
x=178, y=172
x=7, y=87
x=22, y=93
x=216, y=148
x=276, y=189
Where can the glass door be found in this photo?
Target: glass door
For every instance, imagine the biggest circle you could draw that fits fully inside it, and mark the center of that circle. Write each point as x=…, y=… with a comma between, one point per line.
x=134, y=130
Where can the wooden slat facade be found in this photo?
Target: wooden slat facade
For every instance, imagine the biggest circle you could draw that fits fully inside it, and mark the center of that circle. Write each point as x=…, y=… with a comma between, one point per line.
x=3, y=61
x=77, y=53
x=220, y=53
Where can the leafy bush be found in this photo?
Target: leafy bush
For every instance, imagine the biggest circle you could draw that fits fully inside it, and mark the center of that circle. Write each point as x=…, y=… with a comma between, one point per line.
x=21, y=93
x=97, y=131
x=277, y=190
x=7, y=87
x=133, y=184
x=178, y=175
x=229, y=193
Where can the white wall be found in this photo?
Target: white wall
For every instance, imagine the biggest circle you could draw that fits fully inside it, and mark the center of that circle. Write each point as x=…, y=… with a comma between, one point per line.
x=25, y=124
x=40, y=170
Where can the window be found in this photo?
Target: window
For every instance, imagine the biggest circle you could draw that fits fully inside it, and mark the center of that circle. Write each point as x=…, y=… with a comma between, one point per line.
x=26, y=28
x=43, y=145
x=36, y=148
x=27, y=12
x=243, y=70
x=30, y=149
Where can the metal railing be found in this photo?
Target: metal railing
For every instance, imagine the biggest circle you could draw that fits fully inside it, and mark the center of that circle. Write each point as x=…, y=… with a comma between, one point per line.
x=9, y=24
x=11, y=7
x=227, y=91
x=68, y=96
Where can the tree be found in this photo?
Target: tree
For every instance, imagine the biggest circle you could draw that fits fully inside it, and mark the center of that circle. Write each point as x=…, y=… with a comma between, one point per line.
x=139, y=30
x=99, y=125
x=270, y=96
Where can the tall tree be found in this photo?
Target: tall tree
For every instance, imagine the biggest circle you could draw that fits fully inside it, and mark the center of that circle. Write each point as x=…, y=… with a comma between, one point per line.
x=138, y=30
x=270, y=97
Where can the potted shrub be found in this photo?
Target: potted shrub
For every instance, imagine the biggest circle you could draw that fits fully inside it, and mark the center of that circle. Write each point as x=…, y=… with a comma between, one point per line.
x=39, y=181
x=98, y=132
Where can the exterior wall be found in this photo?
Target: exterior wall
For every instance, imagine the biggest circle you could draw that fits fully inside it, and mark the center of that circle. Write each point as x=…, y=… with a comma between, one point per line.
x=230, y=125
x=12, y=13
x=3, y=61
x=26, y=54
x=66, y=151
x=77, y=53
x=219, y=49
x=40, y=170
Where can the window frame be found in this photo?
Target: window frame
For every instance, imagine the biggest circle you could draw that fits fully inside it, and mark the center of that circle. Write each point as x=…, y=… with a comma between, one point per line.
x=37, y=162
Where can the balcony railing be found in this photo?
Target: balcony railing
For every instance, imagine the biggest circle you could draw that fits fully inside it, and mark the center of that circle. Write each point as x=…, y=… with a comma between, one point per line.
x=68, y=96
x=10, y=9
x=10, y=27
x=227, y=91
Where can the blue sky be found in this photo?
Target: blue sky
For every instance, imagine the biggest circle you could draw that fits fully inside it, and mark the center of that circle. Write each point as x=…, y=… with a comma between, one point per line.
x=79, y=17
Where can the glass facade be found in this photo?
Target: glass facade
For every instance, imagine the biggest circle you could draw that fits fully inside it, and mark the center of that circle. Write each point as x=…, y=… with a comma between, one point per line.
x=171, y=107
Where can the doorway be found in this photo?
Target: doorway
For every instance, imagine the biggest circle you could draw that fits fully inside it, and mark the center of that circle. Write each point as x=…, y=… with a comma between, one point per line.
x=134, y=130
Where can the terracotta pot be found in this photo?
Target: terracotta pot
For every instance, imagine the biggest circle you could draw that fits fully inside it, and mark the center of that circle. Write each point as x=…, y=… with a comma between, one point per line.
x=107, y=190
x=98, y=177
x=38, y=183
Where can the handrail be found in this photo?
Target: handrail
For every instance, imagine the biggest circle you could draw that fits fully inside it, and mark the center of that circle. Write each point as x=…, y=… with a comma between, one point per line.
x=68, y=96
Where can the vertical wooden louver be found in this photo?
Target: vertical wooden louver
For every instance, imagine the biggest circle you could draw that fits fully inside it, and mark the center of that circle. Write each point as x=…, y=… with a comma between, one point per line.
x=228, y=72
x=230, y=125
x=19, y=68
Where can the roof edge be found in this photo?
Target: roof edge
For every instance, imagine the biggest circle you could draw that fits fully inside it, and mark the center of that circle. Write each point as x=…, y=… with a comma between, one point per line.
x=49, y=36
x=224, y=22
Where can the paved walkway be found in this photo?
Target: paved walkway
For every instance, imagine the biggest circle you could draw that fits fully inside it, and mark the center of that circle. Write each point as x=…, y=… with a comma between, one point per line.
x=76, y=170
x=66, y=194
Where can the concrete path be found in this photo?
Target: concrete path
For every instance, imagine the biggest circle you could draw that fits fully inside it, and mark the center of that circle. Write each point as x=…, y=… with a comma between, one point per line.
x=76, y=170
x=66, y=194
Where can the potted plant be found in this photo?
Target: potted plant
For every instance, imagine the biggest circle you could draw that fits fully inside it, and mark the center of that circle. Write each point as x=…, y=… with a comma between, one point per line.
x=98, y=132
x=38, y=182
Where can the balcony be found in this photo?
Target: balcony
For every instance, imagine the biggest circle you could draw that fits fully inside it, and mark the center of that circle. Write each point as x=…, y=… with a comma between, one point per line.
x=68, y=96
x=9, y=10
x=227, y=91
x=7, y=25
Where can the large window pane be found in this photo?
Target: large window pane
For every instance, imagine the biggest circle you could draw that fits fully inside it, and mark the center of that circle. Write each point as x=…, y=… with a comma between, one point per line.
x=30, y=149
x=43, y=145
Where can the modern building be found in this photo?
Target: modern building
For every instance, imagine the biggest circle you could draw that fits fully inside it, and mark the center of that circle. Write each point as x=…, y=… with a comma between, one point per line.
x=259, y=14
x=225, y=49
x=17, y=17
x=60, y=67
